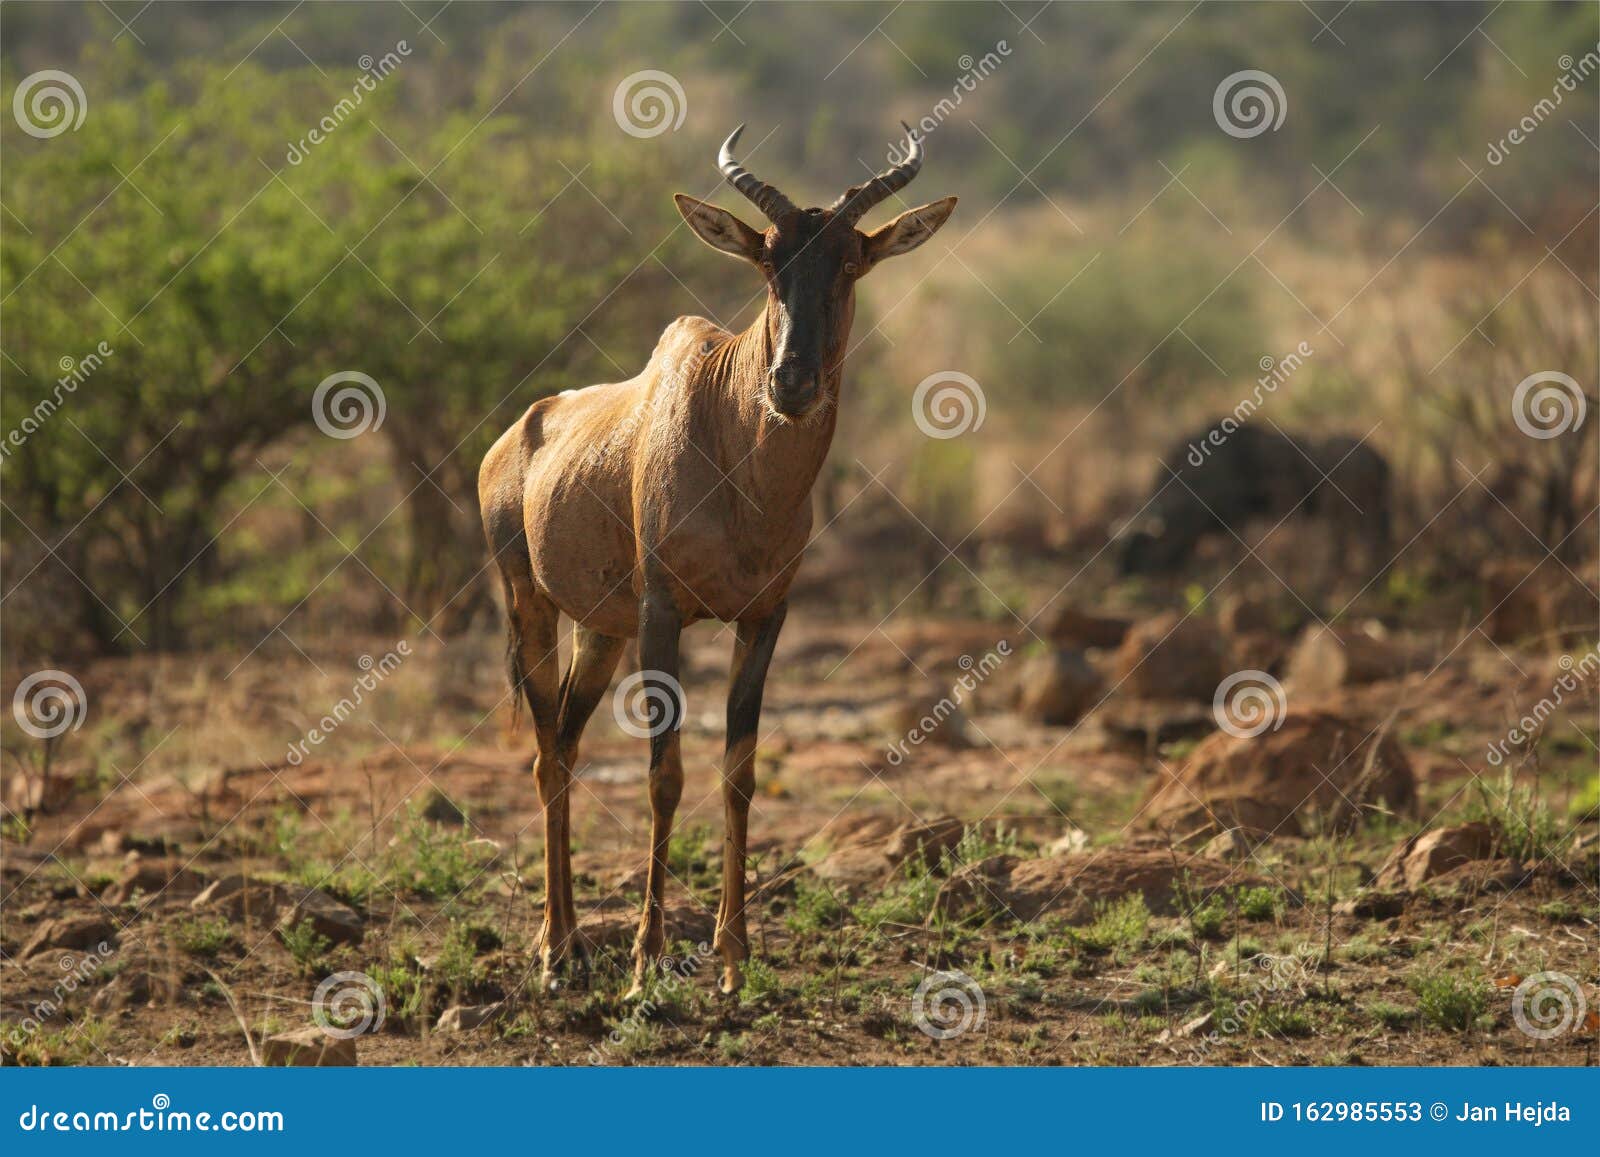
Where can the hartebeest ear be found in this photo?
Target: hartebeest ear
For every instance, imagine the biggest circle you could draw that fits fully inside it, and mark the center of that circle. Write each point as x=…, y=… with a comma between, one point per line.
x=907, y=231
x=719, y=228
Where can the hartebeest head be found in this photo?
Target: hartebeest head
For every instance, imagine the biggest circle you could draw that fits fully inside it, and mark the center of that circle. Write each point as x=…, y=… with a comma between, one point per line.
x=811, y=260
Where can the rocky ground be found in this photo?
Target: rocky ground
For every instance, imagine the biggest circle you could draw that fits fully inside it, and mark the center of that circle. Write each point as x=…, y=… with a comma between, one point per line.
x=1047, y=851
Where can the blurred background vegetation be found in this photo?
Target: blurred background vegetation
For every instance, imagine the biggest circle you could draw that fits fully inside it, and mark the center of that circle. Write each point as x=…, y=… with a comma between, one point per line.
x=481, y=232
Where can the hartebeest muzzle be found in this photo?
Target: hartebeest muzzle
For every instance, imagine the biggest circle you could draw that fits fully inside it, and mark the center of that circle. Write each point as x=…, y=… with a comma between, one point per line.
x=794, y=389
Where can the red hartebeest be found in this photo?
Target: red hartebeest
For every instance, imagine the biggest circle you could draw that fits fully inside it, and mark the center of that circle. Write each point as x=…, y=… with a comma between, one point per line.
x=682, y=494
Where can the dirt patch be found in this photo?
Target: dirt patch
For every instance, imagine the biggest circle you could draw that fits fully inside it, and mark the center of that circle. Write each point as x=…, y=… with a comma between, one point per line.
x=1315, y=768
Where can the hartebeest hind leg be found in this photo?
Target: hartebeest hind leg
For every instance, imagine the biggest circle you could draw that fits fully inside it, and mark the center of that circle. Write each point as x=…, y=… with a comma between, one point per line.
x=751, y=656
x=536, y=669
x=660, y=626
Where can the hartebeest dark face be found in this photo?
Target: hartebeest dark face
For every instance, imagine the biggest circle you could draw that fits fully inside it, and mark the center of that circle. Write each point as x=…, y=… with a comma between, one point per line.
x=810, y=260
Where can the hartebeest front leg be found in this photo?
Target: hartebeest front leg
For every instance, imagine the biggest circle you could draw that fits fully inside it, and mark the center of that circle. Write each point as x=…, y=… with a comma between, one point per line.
x=751, y=656
x=659, y=628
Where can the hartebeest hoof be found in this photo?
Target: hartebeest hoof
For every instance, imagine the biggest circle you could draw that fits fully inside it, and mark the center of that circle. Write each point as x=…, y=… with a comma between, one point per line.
x=564, y=965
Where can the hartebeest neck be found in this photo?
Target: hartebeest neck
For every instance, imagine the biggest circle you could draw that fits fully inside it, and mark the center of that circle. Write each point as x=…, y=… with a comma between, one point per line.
x=772, y=461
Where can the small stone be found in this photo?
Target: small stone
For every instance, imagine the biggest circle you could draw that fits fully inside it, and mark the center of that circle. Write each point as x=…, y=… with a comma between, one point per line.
x=441, y=809
x=1326, y=660
x=239, y=897
x=308, y=1048
x=150, y=879
x=335, y=922
x=1431, y=854
x=1074, y=840
x=1198, y=1025
x=1069, y=627
x=78, y=932
x=931, y=840
x=1170, y=656
x=465, y=1018
x=1233, y=844
x=1058, y=688
x=1372, y=905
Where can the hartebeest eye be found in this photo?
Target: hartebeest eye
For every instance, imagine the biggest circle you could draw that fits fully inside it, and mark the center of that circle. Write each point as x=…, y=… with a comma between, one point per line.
x=850, y=268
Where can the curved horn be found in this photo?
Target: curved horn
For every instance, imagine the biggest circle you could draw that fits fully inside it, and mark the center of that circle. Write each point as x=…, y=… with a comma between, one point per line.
x=856, y=200
x=771, y=202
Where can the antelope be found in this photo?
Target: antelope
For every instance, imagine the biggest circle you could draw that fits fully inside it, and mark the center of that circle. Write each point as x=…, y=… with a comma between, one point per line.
x=636, y=508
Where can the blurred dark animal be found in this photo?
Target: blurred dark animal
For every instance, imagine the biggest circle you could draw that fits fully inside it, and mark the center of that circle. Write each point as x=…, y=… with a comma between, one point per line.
x=639, y=507
x=1216, y=483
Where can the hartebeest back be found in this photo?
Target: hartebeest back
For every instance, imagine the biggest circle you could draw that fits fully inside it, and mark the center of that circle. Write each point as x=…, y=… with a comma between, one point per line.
x=638, y=507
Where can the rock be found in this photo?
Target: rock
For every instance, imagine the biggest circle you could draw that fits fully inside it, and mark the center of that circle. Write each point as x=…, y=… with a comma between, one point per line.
x=932, y=840
x=616, y=930
x=441, y=809
x=1199, y=1024
x=854, y=869
x=936, y=718
x=1171, y=656
x=1430, y=854
x=1073, y=885
x=1075, y=840
x=1372, y=905
x=28, y=794
x=1483, y=876
x=1257, y=651
x=1072, y=629
x=136, y=986
x=1325, y=660
x=1234, y=844
x=1316, y=769
x=240, y=897
x=309, y=1048
x=1528, y=598
x=1058, y=688
x=1149, y=723
x=1248, y=614
x=335, y=922
x=871, y=859
x=166, y=878
x=80, y=932
x=465, y=1018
